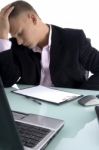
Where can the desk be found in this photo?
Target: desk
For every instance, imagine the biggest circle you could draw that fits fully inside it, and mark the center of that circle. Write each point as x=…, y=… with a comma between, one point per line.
x=81, y=129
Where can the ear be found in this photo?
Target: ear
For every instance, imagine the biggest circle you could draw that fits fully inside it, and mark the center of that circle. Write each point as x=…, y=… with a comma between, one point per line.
x=33, y=17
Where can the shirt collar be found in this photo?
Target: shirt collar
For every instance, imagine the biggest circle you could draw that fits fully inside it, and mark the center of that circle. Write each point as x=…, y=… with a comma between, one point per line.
x=37, y=49
x=50, y=35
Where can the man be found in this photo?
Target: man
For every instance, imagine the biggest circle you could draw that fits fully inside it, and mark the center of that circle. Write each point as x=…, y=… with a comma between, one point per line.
x=39, y=53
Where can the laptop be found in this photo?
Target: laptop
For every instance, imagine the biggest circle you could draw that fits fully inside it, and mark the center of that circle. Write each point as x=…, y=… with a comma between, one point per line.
x=20, y=131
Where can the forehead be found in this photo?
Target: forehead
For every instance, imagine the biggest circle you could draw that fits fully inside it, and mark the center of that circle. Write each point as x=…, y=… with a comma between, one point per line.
x=17, y=22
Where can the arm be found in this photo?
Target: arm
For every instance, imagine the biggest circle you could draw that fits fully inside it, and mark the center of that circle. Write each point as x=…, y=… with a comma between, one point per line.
x=8, y=70
x=17, y=61
x=89, y=58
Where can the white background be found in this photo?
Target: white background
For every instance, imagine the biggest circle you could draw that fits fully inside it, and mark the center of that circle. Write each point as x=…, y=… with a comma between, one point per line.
x=82, y=14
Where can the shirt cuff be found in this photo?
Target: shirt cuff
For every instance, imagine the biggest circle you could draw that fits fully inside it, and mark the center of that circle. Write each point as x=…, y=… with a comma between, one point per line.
x=5, y=45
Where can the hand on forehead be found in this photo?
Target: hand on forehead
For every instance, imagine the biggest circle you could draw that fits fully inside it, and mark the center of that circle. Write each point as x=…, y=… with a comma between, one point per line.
x=5, y=12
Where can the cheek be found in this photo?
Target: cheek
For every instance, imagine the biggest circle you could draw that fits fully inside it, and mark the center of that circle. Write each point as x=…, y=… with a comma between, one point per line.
x=30, y=37
x=26, y=36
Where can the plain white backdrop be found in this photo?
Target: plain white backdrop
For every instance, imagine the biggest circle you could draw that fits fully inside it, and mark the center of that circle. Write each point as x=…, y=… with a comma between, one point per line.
x=82, y=14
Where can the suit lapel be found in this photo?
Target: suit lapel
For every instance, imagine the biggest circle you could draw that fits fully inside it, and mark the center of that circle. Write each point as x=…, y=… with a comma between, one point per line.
x=56, y=48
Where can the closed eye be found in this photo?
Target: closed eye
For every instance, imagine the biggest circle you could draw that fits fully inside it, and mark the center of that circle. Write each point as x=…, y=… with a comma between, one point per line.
x=20, y=34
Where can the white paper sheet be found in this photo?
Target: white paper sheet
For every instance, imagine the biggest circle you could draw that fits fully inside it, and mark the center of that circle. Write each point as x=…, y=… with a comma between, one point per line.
x=47, y=94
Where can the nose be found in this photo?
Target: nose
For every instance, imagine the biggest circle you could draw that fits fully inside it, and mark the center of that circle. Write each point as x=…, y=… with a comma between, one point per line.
x=19, y=41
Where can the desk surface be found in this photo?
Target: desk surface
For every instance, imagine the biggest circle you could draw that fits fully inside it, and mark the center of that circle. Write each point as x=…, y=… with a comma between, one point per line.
x=81, y=129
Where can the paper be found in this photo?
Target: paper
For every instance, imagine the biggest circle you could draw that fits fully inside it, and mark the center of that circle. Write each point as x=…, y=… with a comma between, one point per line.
x=47, y=94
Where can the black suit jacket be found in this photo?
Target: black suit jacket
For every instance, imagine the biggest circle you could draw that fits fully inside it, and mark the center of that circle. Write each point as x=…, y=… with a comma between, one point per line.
x=71, y=54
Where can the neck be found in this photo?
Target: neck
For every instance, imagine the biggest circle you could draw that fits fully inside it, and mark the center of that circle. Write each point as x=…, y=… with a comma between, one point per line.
x=45, y=36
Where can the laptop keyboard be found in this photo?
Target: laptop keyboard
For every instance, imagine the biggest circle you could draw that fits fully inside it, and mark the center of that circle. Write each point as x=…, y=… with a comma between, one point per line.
x=31, y=135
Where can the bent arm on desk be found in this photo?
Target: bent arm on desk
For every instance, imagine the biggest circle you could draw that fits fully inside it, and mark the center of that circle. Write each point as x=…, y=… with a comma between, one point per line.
x=89, y=58
x=17, y=62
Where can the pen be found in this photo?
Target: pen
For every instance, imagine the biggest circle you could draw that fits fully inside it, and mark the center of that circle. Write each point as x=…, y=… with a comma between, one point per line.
x=34, y=100
x=37, y=101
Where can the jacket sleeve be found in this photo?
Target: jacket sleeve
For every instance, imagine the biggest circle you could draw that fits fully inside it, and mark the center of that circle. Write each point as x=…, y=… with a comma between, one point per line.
x=89, y=58
x=19, y=62
x=9, y=70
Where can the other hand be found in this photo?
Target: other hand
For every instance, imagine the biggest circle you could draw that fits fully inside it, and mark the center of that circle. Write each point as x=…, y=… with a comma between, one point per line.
x=4, y=21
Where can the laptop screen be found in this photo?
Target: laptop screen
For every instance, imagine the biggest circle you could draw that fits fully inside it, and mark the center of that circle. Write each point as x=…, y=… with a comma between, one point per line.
x=9, y=139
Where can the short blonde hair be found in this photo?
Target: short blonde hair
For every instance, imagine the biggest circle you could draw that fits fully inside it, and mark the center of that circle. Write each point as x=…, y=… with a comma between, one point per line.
x=19, y=7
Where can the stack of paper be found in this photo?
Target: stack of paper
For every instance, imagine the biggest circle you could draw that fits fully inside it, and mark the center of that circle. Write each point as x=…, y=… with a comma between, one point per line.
x=48, y=94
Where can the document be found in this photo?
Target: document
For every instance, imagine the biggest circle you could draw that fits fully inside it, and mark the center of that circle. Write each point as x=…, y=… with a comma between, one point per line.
x=47, y=94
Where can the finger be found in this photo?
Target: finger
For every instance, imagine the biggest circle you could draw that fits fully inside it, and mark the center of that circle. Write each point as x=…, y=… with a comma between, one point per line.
x=8, y=11
x=5, y=8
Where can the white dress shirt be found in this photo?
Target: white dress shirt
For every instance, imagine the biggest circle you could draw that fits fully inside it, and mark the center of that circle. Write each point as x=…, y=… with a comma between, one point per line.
x=5, y=45
x=45, y=61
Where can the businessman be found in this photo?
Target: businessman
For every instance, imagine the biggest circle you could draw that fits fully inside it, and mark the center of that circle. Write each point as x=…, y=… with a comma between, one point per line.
x=45, y=54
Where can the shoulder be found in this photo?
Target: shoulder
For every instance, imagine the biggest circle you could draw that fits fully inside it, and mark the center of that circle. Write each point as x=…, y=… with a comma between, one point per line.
x=68, y=32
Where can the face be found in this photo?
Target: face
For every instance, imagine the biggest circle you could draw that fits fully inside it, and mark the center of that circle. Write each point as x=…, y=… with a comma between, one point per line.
x=25, y=29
